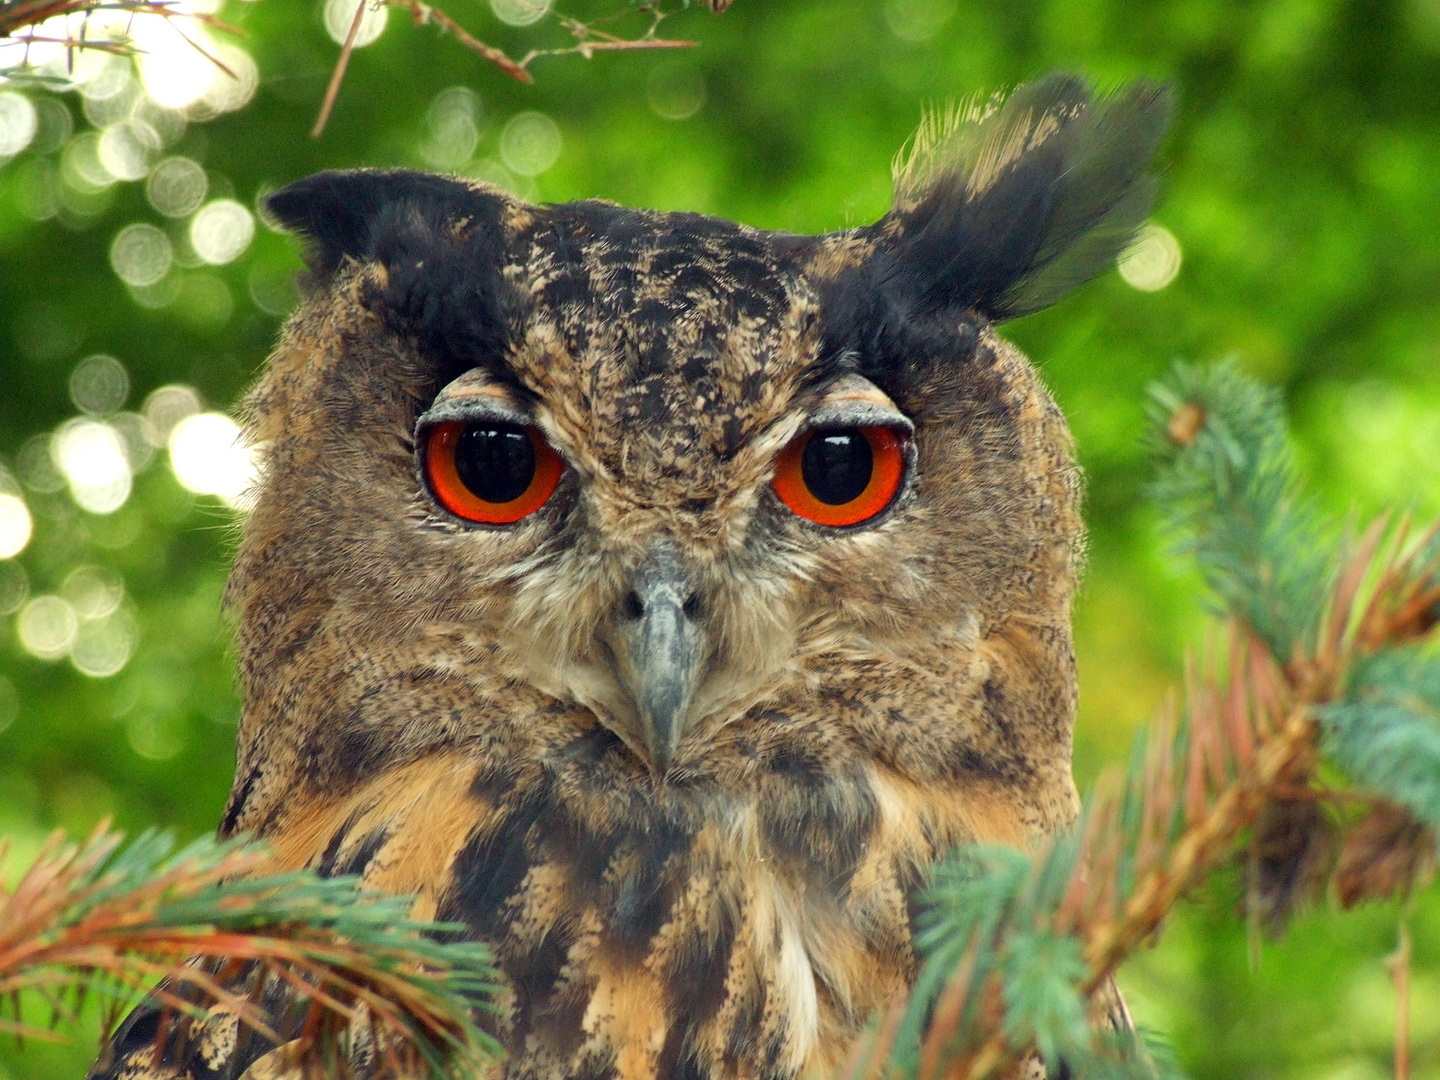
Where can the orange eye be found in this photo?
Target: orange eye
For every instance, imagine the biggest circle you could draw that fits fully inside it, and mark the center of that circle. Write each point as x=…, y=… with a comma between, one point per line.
x=490, y=472
x=841, y=476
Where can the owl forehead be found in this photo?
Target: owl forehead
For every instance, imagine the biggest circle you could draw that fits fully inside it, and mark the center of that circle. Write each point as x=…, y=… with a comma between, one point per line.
x=673, y=338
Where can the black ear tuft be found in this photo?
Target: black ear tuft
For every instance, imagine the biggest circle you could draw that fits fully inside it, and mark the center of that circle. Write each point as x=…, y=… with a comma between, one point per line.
x=441, y=242
x=347, y=213
x=1004, y=208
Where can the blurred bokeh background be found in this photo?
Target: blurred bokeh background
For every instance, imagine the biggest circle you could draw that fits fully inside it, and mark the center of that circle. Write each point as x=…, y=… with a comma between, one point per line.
x=1298, y=230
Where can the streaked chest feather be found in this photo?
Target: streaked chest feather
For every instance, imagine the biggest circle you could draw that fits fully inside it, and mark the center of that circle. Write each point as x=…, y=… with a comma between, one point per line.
x=693, y=933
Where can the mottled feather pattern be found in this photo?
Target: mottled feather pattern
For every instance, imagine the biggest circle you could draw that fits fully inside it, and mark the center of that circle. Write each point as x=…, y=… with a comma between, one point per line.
x=434, y=705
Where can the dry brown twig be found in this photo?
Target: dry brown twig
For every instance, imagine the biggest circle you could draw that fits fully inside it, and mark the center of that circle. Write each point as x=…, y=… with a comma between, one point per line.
x=1399, y=965
x=589, y=40
x=21, y=15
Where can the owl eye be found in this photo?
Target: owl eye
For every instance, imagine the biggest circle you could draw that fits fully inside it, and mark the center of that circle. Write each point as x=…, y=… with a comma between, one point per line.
x=841, y=476
x=490, y=472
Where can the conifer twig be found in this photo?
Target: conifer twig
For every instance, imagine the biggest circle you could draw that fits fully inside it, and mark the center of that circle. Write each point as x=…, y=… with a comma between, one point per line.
x=99, y=917
x=1326, y=661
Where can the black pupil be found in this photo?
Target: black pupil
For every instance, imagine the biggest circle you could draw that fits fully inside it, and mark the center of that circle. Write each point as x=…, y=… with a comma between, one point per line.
x=495, y=461
x=836, y=466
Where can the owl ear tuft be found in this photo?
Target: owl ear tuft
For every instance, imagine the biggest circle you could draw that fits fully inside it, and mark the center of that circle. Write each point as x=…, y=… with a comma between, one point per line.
x=1005, y=206
x=357, y=213
x=441, y=242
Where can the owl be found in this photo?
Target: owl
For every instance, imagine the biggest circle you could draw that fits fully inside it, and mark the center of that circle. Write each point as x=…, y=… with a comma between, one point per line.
x=661, y=597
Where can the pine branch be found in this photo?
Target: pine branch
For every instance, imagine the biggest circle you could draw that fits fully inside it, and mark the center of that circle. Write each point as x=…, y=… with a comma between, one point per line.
x=1330, y=661
x=103, y=918
x=1227, y=489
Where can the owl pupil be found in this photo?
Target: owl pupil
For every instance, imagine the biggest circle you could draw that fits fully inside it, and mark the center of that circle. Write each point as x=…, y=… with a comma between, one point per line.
x=836, y=466
x=495, y=461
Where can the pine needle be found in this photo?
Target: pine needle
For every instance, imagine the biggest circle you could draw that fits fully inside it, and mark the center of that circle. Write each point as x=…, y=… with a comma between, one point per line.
x=204, y=928
x=1329, y=660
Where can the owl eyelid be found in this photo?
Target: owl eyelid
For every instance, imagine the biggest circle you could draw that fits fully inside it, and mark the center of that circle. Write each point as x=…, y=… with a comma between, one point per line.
x=473, y=410
x=843, y=414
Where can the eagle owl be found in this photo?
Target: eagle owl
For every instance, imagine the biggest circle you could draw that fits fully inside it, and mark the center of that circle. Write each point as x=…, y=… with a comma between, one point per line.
x=660, y=596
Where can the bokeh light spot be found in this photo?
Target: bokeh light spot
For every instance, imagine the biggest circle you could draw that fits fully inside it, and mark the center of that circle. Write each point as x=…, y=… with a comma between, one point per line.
x=156, y=737
x=18, y=122
x=339, y=14
x=103, y=647
x=80, y=165
x=99, y=384
x=209, y=456
x=675, y=93
x=1152, y=260
x=917, y=20
x=138, y=437
x=93, y=591
x=36, y=466
x=530, y=143
x=167, y=124
x=161, y=294
x=127, y=149
x=92, y=457
x=102, y=76
x=55, y=126
x=273, y=291
x=204, y=302
x=141, y=254
x=452, y=127
x=166, y=407
x=47, y=627
x=9, y=703
x=221, y=231
x=520, y=12
x=35, y=186
x=16, y=525
x=174, y=71
x=14, y=587
x=230, y=90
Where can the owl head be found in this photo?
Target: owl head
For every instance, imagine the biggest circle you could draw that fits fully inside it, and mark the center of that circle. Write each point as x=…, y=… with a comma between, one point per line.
x=668, y=496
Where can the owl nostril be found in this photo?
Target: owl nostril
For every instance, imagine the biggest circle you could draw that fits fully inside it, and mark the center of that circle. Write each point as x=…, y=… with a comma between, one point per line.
x=633, y=606
x=692, y=607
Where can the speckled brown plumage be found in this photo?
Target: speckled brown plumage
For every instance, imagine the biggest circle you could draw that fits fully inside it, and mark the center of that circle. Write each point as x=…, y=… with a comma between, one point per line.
x=435, y=705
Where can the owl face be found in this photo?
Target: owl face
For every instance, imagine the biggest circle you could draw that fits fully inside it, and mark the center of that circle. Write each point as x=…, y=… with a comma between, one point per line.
x=679, y=480
x=665, y=490
x=659, y=368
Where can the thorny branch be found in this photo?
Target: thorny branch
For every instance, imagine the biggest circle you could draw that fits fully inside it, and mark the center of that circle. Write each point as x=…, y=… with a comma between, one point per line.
x=20, y=15
x=589, y=40
x=17, y=16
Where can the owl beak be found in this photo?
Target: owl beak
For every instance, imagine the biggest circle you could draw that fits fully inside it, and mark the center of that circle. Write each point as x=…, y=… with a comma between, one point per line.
x=661, y=653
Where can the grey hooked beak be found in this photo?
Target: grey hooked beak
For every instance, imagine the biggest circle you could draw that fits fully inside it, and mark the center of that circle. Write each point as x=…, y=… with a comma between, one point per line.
x=661, y=651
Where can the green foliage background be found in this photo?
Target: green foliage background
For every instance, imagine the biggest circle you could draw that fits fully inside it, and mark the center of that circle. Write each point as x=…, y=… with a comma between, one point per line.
x=1303, y=181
